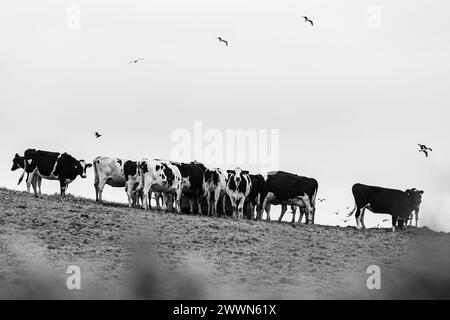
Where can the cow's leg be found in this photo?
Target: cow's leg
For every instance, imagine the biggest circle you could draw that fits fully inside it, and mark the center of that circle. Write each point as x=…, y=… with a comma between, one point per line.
x=313, y=214
x=158, y=197
x=233, y=206
x=266, y=204
x=100, y=187
x=129, y=192
x=39, y=181
x=191, y=205
x=293, y=209
x=31, y=181
x=28, y=183
x=216, y=201
x=208, y=203
x=240, y=207
x=357, y=216
x=178, y=200
x=199, y=205
x=147, y=197
x=301, y=213
x=224, y=198
x=165, y=202
x=394, y=222
x=251, y=215
x=63, y=187
x=259, y=207
x=361, y=217
x=304, y=201
x=416, y=218
x=283, y=211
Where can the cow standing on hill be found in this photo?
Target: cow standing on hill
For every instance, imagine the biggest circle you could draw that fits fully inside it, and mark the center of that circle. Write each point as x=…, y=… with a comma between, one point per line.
x=108, y=171
x=214, y=189
x=130, y=169
x=159, y=176
x=117, y=173
x=399, y=204
x=291, y=189
x=192, y=183
x=19, y=163
x=53, y=166
x=255, y=199
x=238, y=188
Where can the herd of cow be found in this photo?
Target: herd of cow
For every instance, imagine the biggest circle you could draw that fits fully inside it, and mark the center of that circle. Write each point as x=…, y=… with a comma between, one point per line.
x=169, y=181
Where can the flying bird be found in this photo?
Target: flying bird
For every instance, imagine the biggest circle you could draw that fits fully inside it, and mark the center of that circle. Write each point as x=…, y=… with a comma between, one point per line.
x=424, y=149
x=222, y=40
x=385, y=220
x=321, y=200
x=308, y=20
x=345, y=221
x=337, y=212
x=136, y=61
x=97, y=135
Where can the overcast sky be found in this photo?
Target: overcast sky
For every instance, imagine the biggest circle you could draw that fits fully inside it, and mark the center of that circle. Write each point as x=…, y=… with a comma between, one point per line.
x=350, y=100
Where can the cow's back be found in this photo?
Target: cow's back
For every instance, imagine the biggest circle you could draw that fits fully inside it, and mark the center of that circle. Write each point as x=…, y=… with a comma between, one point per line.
x=111, y=169
x=285, y=185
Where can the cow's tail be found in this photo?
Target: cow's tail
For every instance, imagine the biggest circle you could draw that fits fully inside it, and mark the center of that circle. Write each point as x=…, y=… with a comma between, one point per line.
x=140, y=177
x=352, y=212
x=21, y=177
x=94, y=164
x=24, y=170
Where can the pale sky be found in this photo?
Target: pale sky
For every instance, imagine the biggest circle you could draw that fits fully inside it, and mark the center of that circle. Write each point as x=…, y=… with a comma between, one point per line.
x=350, y=102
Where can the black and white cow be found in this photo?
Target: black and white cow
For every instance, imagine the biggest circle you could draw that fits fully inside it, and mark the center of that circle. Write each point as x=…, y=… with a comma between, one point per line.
x=238, y=188
x=117, y=173
x=130, y=169
x=291, y=189
x=19, y=163
x=255, y=199
x=214, y=189
x=159, y=176
x=108, y=171
x=399, y=204
x=53, y=166
x=192, y=183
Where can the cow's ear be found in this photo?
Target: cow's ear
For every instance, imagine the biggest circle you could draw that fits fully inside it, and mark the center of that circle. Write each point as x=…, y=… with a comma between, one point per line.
x=89, y=165
x=230, y=171
x=245, y=172
x=421, y=192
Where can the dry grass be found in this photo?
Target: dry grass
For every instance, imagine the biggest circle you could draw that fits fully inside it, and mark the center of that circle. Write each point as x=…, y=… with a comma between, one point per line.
x=129, y=253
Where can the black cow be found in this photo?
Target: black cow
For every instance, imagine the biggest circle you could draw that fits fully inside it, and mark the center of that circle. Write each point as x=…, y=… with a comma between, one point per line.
x=255, y=199
x=192, y=183
x=19, y=162
x=53, y=166
x=290, y=189
x=397, y=203
x=131, y=183
x=238, y=188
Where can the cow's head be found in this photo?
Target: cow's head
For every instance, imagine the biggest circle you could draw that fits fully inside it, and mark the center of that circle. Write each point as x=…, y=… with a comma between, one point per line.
x=81, y=168
x=236, y=175
x=18, y=162
x=416, y=198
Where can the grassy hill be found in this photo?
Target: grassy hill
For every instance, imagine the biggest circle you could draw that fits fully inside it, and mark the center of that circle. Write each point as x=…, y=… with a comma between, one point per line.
x=130, y=253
